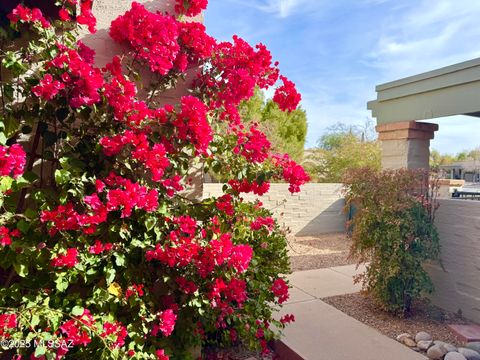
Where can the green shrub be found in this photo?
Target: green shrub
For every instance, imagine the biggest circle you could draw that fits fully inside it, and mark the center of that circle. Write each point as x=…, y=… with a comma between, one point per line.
x=393, y=232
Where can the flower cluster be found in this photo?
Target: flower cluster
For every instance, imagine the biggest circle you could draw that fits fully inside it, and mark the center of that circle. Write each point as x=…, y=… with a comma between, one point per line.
x=242, y=65
x=287, y=96
x=69, y=260
x=7, y=321
x=26, y=15
x=116, y=331
x=134, y=290
x=86, y=16
x=77, y=73
x=12, y=160
x=287, y=319
x=6, y=235
x=292, y=173
x=166, y=323
x=191, y=124
x=151, y=36
x=245, y=186
x=74, y=329
x=262, y=222
x=48, y=88
x=280, y=290
x=254, y=145
x=190, y=7
x=195, y=42
x=161, y=355
x=153, y=158
x=123, y=195
x=99, y=247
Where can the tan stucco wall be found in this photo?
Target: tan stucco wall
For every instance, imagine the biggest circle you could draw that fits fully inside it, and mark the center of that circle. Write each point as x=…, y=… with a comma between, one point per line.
x=457, y=284
x=318, y=209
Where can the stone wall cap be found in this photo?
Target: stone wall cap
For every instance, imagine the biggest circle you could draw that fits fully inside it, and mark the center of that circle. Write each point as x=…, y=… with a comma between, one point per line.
x=451, y=182
x=407, y=125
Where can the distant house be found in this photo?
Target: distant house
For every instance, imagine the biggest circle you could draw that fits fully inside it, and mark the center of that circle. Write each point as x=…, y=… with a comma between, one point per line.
x=468, y=170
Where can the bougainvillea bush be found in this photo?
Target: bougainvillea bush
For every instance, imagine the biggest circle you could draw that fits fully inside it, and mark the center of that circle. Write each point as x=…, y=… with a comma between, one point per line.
x=102, y=253
x=393, y=232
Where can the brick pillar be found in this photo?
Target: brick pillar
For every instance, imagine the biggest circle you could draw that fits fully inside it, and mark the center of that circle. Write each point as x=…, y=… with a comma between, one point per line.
x=406, y=144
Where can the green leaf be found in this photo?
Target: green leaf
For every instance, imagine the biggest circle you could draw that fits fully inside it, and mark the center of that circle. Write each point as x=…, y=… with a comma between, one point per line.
x=21, y=269
x=77, y=310
x=30, y=176
x=23, y=226
x=62, y=177
x=61, y=283
x=21, y=182
x=150, y=223
x=6, y=184
x=11, y=126
x=39, y=351
x=3, y=138
x=163, y=209
x=35, y=320
x=30, y=213
x=120, y=259
x=109, y=274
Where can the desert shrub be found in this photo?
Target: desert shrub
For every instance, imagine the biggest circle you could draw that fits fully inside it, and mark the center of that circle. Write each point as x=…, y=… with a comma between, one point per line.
x=393, y=232
x=102, y=253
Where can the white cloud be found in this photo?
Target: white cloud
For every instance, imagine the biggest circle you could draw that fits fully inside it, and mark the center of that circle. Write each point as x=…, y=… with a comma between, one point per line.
x=425, y=36
x=281, y=8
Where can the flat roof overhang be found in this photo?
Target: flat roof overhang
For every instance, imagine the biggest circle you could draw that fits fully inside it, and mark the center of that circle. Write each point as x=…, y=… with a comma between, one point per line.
x=452, y=90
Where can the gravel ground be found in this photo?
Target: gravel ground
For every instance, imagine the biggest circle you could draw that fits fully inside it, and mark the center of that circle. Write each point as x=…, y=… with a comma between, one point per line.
x=425, y=317
x=327, y=250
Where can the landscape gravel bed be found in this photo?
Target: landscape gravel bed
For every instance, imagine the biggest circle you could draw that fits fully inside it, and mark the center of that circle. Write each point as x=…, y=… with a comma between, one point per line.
x=317, y=252
x=425, y=317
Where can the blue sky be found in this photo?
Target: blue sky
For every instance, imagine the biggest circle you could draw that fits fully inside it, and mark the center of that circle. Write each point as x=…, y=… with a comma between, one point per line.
x=337, y=51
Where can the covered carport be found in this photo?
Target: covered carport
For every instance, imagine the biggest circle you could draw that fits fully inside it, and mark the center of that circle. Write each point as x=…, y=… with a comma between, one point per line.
x=399, y=109
x=401, y=104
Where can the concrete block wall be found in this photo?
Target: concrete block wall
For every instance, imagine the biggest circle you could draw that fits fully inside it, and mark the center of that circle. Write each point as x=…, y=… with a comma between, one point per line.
x=457, y=278
x=318, y=209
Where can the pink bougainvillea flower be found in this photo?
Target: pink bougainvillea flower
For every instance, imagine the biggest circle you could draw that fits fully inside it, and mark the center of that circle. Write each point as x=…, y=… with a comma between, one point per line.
x=292, y=173
x=286, y=96
x=261, y=222
x=190, y=7
x=68, y=260
x=48, y=88
x=166, y=323
x=161, y=355
x=287, y=319
x=117, y=331
x=12, y=160
x=280, y=290
x=26, y=15
x=153, y=36
x=86, y=16
x=134, y=290
x=6, y=235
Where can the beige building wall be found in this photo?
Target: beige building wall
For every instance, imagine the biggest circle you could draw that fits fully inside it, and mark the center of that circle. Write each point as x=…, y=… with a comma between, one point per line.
x=457, y=276
x=318, y=209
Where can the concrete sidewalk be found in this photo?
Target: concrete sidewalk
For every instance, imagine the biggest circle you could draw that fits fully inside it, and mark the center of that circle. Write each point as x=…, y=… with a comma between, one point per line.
x=321, y=332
